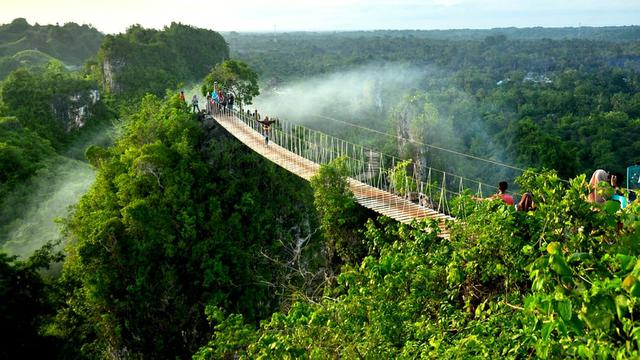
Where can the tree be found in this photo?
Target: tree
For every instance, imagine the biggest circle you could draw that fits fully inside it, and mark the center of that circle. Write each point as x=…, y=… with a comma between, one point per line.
x=25, y=302
x=339, y=215
x=236, y=77
x=558, y=282
x=170, y=226
x=147, y=60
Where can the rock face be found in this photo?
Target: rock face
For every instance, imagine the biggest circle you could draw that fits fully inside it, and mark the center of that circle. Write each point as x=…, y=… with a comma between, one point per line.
x=74, y=110
x=110, y=67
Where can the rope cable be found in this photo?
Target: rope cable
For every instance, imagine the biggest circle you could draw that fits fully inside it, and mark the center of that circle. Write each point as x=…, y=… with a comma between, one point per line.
x=421, y=143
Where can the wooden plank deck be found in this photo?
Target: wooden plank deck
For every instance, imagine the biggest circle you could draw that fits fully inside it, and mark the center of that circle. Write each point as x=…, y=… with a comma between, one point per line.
x=378, y=200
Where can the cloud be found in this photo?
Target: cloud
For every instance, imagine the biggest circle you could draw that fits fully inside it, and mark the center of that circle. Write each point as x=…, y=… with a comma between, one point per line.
x=446, y=2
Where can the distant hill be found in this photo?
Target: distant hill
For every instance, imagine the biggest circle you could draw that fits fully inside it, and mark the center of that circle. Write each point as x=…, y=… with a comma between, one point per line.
x=286, y=55
x=30, y=59
x=605, y=33
x=22, y=44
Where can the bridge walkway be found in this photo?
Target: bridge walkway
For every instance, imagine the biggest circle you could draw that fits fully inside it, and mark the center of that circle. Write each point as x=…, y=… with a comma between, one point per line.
x=380, y=201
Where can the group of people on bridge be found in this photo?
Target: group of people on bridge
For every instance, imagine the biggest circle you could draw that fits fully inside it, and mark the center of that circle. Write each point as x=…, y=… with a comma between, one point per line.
x=220, y=100
x=216, y=99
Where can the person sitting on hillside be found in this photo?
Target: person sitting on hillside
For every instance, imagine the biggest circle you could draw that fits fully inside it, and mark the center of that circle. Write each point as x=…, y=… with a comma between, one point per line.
x=502, y=193
x=615, y=180
x=597, y=177
x=194, y=103
x=618, y=195
x=526, y=203
x=266, y=124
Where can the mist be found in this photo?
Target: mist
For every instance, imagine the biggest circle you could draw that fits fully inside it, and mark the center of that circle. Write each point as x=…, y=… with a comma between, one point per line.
x=355, y=94
x=29, y=214
x=375, y=96
x=31, y=210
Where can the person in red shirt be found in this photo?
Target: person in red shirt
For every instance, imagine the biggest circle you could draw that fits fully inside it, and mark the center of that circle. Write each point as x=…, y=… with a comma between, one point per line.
x=502, y=193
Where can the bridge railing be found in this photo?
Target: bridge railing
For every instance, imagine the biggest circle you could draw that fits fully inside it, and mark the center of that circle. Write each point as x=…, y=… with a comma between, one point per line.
x=426, y=186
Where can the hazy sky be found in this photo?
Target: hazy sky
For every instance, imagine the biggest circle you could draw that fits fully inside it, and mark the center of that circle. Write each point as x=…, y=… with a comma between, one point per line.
x=113, y=16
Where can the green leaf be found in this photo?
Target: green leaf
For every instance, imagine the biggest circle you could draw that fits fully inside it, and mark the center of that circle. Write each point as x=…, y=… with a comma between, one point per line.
x=626, y=262
x=622, y=305
x=564, y=309
x=546, y=330
x=579, y=257
x=611, y=207
x=560, y=266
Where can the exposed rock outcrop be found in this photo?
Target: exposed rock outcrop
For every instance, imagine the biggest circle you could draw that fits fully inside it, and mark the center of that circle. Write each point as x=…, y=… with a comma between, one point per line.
x=74, y=110
x=110, y=67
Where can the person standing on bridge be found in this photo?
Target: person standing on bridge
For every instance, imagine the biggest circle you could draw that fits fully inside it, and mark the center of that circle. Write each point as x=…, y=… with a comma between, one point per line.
x=230, y=100
x=208, y=103
x=214, y=100
x=223, y=100
x=194, y=103
x=266, y=124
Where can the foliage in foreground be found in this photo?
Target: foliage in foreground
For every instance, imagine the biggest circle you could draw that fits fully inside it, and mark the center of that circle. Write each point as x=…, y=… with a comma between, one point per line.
x=25, y=297
x=558, y=282
x=340, y=216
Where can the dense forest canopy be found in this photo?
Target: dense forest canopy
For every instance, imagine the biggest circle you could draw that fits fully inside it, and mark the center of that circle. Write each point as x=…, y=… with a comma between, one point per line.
x=506, y=94
x=495, y=51
x=148, y=60
x=42, y=112
x=187, y=244
x=177, y=219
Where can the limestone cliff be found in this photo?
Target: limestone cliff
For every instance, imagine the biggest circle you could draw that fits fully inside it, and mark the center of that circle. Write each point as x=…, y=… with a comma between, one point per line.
x=111, y=67
x=73, y=110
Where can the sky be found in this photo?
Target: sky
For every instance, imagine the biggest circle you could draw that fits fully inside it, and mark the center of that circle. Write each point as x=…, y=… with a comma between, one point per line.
x=115, y=16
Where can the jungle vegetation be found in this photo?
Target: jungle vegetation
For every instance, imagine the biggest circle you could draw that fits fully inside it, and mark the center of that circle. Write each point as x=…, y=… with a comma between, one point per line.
x=188, y=245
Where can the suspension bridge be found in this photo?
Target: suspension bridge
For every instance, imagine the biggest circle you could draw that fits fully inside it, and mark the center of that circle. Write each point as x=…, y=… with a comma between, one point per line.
x=401, y=190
